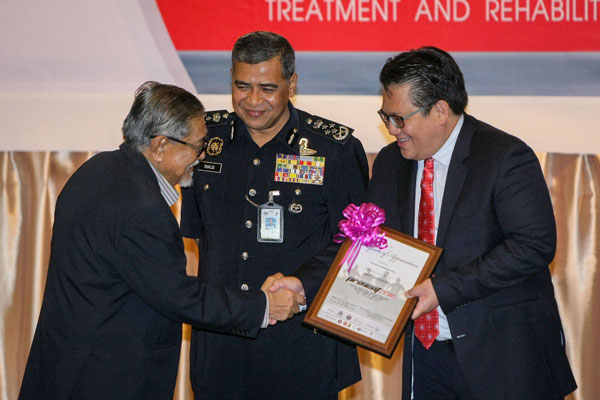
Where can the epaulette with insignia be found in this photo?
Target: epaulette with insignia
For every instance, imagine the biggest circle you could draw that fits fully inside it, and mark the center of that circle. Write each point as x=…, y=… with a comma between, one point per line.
x=331, y=130
x=219, y=128
x=219, y=117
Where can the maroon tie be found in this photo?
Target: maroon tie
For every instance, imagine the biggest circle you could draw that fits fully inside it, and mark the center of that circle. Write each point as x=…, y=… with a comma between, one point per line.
x=427, y=325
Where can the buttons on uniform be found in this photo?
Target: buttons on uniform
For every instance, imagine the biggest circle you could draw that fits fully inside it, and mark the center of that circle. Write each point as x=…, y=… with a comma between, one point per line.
x=206, y=186
x=248, y=224
x=298, y=192
x=252, y=192
x=244, y=286
x=256, y=162
x=245, y=255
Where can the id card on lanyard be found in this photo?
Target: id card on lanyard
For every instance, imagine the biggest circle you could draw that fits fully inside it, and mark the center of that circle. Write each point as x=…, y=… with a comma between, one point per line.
x=270, y=220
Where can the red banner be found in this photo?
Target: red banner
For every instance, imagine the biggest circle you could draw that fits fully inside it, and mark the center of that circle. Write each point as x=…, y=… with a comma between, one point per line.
x=389, y=25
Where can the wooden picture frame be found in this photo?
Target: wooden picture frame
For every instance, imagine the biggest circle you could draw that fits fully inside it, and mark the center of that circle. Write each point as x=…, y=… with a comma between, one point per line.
x=364, y=303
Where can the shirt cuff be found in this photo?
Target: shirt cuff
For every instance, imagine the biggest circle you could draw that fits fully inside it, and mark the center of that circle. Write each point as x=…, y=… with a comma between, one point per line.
x=265, y=322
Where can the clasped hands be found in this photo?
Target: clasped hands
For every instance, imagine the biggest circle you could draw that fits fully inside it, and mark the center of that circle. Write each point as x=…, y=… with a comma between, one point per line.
x=285, y=294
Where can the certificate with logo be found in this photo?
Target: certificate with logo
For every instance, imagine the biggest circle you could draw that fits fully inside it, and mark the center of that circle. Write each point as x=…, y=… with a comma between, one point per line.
x=362, y=297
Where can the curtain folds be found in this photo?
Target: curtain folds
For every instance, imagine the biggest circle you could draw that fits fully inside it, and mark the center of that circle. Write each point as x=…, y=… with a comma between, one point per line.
x=30, y=183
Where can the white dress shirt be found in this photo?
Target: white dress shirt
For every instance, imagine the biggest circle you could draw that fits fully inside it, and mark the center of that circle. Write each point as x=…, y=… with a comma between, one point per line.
x=440, y=171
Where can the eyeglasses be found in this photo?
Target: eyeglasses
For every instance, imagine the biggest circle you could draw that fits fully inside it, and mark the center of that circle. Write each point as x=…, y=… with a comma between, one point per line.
x=199, y=149
x=398, y=120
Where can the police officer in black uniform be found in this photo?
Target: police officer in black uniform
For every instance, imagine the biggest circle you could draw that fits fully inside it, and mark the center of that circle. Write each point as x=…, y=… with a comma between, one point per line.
x=266, y=199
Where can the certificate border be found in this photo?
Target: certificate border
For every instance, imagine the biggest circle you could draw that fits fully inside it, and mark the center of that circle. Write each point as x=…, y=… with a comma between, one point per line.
x=387, y=348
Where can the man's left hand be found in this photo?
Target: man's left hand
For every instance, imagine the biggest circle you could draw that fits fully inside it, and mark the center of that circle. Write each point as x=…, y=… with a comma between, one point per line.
x=427, y=298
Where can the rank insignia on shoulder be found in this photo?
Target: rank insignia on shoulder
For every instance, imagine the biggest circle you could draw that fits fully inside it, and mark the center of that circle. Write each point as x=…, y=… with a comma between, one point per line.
x=332, y=130
x=212, y=118
x=214, y=146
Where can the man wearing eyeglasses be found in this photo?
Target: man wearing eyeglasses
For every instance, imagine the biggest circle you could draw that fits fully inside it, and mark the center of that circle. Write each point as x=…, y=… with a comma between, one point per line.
x=117, y=290
x=486, y=324
x=267, y=198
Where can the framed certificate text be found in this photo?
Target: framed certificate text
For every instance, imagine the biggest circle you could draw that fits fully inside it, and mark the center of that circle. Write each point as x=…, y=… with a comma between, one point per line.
x=364, y=303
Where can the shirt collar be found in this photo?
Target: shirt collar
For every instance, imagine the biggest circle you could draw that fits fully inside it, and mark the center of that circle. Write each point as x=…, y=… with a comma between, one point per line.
x=444, y=154
x=168, y=192
x=288, y=134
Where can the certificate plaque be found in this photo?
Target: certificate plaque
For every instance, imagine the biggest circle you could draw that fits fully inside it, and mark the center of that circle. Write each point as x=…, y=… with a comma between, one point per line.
x=364, y=303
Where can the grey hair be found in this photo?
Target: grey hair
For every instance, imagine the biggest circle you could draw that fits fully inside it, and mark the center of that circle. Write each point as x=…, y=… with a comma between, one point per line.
x=160, y=109
x=259, y=46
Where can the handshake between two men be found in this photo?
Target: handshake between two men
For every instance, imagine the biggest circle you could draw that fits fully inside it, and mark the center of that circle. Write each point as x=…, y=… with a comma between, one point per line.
x=286, y=297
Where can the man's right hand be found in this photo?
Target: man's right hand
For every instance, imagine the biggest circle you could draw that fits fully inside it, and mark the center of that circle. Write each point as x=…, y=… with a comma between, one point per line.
x=283, y=304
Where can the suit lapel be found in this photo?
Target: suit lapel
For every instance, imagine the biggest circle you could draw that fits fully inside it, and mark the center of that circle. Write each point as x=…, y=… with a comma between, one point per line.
x=406, y=195
x=457, y=173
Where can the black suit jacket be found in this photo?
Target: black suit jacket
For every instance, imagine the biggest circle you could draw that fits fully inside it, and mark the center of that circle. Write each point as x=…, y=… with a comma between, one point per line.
x=493, y=282
x=117, y=290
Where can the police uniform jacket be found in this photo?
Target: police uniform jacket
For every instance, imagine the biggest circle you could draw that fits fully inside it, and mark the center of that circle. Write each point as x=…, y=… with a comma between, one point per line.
x=288, y=360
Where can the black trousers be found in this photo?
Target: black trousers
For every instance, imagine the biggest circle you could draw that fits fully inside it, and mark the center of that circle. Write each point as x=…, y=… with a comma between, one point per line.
x=436, y=373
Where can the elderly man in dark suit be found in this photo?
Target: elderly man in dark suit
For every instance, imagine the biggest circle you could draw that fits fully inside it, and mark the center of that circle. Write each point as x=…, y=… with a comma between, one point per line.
x=117, y=291
x=486, y=324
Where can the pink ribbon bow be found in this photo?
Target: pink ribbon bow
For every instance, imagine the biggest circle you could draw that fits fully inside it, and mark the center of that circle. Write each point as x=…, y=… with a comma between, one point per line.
x=361, y=226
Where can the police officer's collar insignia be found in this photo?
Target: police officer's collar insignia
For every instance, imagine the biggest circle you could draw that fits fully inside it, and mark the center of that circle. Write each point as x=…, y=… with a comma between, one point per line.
x=214, y=147
x=331, y=130
x=292, y=135
x=232, y=131
x=304, y=149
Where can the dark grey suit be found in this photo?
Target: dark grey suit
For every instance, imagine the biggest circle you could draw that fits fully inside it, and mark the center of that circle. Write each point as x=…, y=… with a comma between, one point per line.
x=493, y=282
x=117, y=291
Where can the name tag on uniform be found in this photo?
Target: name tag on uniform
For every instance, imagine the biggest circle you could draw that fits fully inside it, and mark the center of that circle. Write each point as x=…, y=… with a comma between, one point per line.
x=210, y=167
x=299, y=169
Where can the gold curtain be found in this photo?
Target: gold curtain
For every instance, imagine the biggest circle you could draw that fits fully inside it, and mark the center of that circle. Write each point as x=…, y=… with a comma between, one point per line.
x=31, y=181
